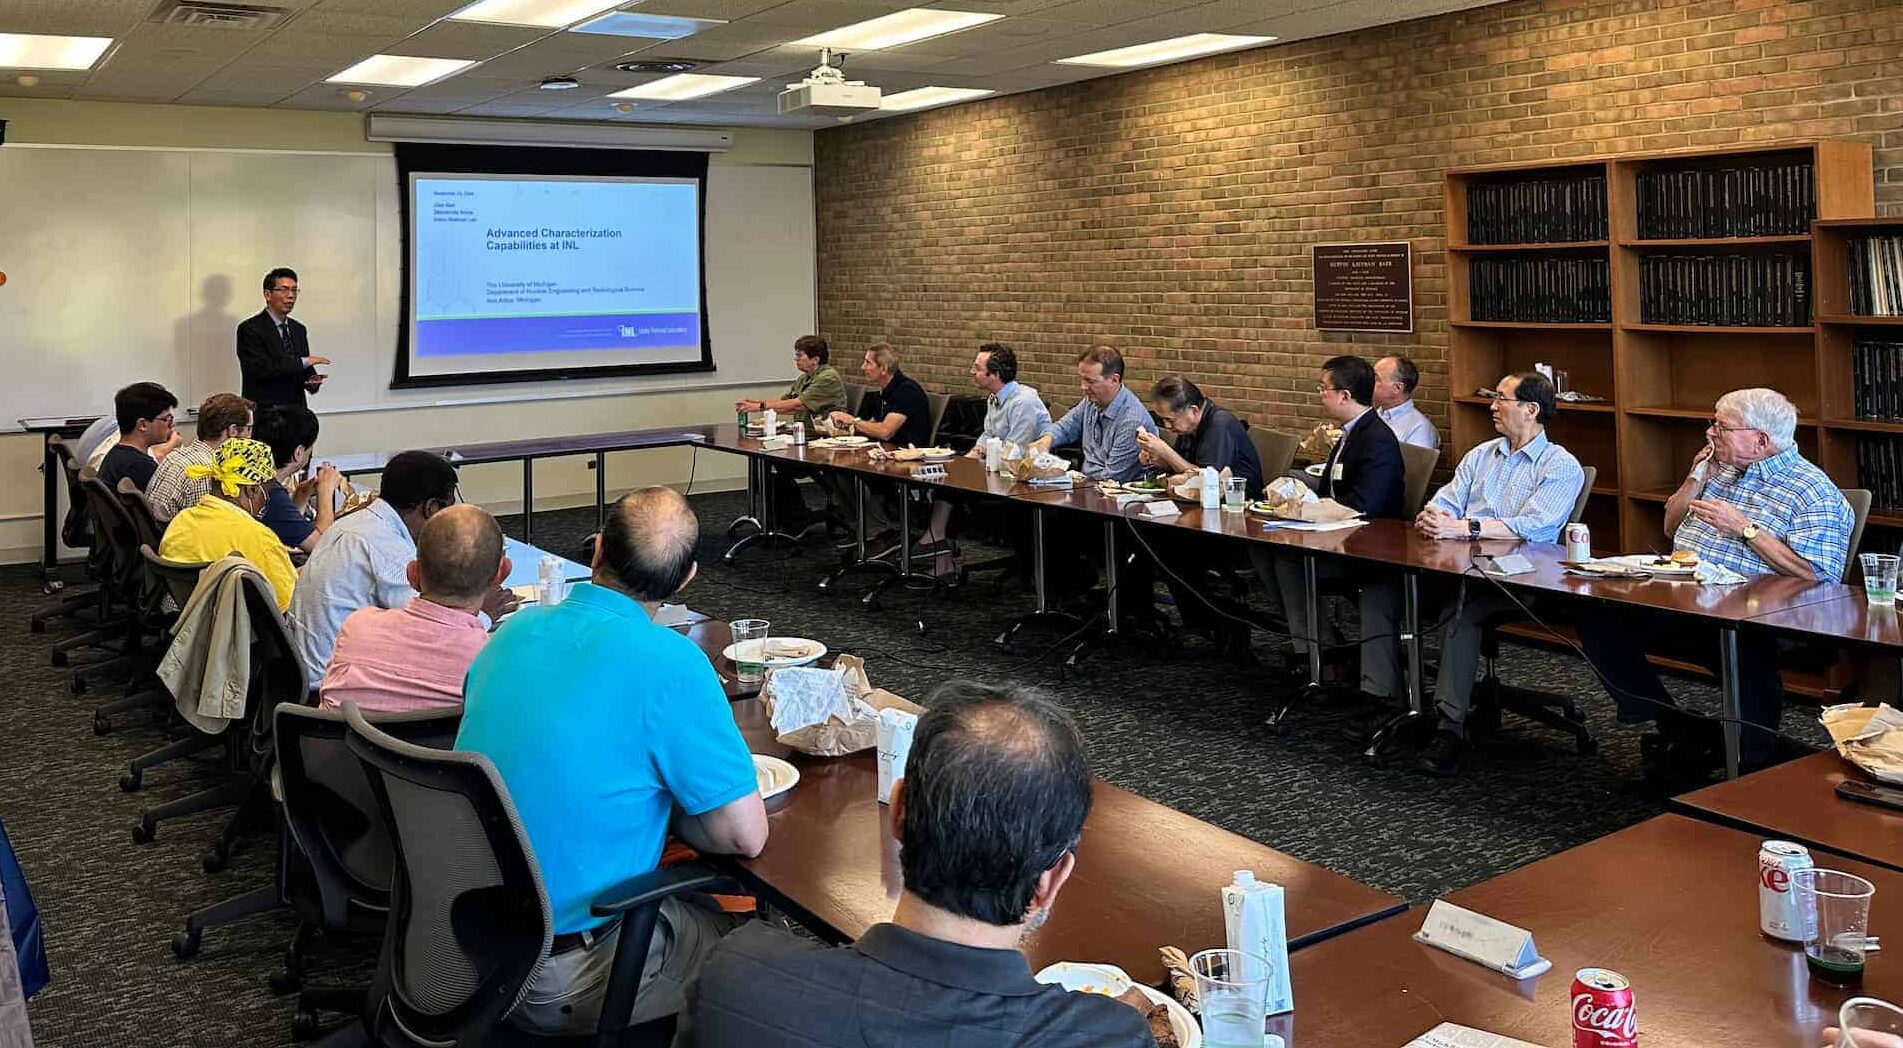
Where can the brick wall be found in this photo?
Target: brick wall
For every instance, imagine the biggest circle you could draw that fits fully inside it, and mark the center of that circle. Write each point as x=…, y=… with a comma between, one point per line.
x=1170, y=212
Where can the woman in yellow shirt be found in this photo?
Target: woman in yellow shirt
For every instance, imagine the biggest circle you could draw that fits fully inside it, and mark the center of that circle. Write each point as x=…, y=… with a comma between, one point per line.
x=225, y=519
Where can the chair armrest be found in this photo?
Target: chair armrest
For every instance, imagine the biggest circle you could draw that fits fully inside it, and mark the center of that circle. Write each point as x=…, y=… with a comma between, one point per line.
x=655, y=885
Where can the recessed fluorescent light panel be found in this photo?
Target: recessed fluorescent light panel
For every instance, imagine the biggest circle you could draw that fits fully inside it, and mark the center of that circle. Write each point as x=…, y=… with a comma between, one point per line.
x=400, y=71
x=683, y=86
x=545, y=14
x=1173, y=50
x=27, y=51
x=919, y=98
x=652, y=27
x=894, y=30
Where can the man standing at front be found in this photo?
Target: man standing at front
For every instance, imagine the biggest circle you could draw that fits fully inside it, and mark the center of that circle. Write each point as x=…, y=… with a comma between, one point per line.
x=603, y=726
x=274, y=353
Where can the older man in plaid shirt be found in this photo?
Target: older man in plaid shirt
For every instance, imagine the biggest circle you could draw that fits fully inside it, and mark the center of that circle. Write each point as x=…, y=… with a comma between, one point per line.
x=1752, y=504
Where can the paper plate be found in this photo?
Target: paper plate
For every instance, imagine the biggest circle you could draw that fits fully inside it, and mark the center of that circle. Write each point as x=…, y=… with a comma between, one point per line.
x=775, y=775
x=1111, y=981
x=1648, y=562
x=812, y=651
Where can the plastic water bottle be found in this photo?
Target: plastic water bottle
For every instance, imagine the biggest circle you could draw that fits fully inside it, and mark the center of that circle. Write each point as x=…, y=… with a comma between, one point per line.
x=772, y=423
x=1211, y=493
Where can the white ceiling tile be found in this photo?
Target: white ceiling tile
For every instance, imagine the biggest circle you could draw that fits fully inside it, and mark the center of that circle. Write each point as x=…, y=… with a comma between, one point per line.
x=214, y=97
x=818, y=16
x=728, y=10
x=560, y=53
x=112, y=18
x=465, y=40
x=1106, y=12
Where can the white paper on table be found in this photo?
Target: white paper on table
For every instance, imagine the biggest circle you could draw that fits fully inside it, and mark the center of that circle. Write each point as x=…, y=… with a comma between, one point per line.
x=1453, y=1035
x=1713, y=574
x=804, y=696
x=1307, y=525
x=671, y=615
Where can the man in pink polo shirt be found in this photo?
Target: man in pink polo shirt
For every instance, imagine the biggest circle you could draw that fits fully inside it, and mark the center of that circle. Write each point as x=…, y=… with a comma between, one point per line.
x=396, y=660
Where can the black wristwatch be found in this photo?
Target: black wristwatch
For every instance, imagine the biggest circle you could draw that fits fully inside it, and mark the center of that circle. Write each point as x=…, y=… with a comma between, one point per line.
x=1473, y=528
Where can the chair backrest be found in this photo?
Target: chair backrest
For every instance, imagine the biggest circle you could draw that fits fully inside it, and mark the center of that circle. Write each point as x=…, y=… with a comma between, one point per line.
x=1859, y=499
x=329, y=807
x=1275, y=449
x=1590, y=476
x=855, y=397
x=469, y=918
x=937, y=402
x=112, y=527
x=76, y=529
x=180, y=578
x=145, y=523
x=277, y=670
x=1417, y=472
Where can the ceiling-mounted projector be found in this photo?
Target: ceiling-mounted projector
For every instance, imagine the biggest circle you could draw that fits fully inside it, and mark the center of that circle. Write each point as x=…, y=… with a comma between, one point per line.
x=827, y=92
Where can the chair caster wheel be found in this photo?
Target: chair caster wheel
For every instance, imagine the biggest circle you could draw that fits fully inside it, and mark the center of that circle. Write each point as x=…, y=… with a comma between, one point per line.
x=52, y=586
x=131, y=781
x=185, y=945
x=284, y=983
x=304, y=1025
x=78, y=686
x=102, y=724
x=59, y=658
x=143, y=832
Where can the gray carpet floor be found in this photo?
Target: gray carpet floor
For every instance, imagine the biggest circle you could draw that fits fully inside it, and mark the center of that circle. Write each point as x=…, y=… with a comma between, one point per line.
x=1173, y=724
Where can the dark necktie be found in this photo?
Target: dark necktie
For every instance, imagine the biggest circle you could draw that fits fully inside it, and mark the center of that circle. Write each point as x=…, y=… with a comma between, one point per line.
x=284, y=336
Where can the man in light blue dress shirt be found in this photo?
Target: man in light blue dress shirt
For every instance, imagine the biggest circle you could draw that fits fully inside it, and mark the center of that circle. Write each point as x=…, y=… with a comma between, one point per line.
x=1104, y=425
x=1014, y=413
x=1395, y=378
x=1520, y=485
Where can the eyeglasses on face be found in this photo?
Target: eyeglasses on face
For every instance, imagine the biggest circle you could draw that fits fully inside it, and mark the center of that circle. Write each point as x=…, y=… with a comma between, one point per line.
x=1714, y=424
x=284, y=289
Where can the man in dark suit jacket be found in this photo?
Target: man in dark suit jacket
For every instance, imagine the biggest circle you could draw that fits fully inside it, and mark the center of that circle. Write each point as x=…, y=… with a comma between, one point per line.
x=274, y=354
x=1363, y=471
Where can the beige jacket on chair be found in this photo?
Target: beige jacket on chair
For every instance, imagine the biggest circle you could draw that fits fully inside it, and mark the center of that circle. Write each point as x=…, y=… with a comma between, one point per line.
x=208, y=666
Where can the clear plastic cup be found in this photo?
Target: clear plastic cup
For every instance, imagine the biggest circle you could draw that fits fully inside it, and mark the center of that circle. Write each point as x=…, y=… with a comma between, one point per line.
x=1879, y=577
x=1235, y=494
x=1834, y=909
x=749, y=649
x=1233, y=987
x=1865, y=1022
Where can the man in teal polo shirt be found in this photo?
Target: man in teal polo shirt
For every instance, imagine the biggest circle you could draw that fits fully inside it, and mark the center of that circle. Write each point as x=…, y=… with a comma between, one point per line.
x=609, y=731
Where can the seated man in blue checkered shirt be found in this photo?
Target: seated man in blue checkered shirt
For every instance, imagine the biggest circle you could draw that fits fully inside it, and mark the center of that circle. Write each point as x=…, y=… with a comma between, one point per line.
x=1752, y=504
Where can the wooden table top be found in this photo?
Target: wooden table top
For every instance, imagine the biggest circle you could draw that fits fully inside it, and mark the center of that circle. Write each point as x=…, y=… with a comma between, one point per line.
x=1796, y=801
x=1147, y=875
x=1850, y=617
x=1671, y=903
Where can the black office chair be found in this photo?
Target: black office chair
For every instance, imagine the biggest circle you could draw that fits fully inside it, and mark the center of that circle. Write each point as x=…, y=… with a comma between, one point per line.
x=156, y=607
x=75, y=531
x=122, y=579
x=276, y=677
x=469, y=920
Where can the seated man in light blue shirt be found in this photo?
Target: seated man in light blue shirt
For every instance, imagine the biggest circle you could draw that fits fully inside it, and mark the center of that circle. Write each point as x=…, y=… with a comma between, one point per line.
x=1750, y=503
x=1104, y=425
x=609, y=730
x=1014, y=413
x=1395, y=378
x=1518, y=486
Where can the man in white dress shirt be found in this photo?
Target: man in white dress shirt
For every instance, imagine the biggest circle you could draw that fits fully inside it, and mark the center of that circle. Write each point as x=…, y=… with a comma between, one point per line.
x=1394, y=380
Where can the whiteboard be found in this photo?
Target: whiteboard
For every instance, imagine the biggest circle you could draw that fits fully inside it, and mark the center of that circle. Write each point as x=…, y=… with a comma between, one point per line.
x=135, y=263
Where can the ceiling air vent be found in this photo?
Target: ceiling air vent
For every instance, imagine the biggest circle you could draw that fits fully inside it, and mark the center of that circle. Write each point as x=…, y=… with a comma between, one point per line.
x=217, y=15
x=659, y=65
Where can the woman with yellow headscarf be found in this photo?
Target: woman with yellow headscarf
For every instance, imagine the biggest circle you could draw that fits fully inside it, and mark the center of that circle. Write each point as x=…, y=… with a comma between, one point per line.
x=225, y=520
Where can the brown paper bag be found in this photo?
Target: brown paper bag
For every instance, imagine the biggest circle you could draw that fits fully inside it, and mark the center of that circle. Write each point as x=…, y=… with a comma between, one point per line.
x=834, y=737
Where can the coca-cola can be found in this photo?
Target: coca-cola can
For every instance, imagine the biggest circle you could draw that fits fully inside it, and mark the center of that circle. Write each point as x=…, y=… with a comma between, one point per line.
x=1603, y=1012
x=1777, y=903
x=1578, y=542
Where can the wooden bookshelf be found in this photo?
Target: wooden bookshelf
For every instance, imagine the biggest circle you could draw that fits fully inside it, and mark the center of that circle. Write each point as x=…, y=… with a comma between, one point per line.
x=1661, y=381
x=1838, y=331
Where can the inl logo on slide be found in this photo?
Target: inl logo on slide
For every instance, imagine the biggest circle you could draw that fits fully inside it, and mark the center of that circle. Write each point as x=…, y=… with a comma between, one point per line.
x=628, y=331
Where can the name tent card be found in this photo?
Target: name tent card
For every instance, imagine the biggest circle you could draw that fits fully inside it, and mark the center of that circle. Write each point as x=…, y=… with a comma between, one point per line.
x=1483, y=940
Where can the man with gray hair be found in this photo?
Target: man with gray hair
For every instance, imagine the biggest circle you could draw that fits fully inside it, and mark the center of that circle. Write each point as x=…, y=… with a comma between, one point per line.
x=1751, y=504
x=988, y=814
x=398, y=660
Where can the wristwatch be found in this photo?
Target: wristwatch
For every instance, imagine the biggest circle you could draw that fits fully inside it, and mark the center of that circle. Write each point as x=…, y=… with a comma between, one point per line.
x=1473, y=528
x=1750, y=532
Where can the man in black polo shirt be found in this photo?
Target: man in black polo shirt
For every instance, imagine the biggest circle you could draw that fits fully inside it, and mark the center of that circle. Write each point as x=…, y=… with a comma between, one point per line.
x=144, y=411
x=988, y=815
x=898, y=414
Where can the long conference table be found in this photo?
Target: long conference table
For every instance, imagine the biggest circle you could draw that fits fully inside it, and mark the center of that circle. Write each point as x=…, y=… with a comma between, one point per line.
x=1820, y=610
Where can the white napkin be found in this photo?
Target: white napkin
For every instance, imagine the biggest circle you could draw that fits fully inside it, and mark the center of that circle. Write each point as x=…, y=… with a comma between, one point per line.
x=804, y=696
x=1714, y=574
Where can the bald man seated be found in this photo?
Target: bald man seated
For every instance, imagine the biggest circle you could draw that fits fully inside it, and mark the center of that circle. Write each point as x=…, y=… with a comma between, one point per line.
x=610, y=731
x=399, y=660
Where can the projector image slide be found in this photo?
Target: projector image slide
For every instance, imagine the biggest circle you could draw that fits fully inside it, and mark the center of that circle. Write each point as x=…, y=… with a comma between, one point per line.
x=538, y=271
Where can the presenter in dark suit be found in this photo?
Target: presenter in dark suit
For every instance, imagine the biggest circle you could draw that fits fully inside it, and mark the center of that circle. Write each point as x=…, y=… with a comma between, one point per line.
x=274, y=353
x=1363, y=472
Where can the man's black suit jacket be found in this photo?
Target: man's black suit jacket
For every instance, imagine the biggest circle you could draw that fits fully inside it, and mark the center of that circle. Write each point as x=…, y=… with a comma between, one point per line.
x=1373, y=477
x=273, y=374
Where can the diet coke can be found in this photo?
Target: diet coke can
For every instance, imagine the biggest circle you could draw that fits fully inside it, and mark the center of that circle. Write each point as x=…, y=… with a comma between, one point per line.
x=1603, y=1012
x=1578, y=542
x=1777, y=903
